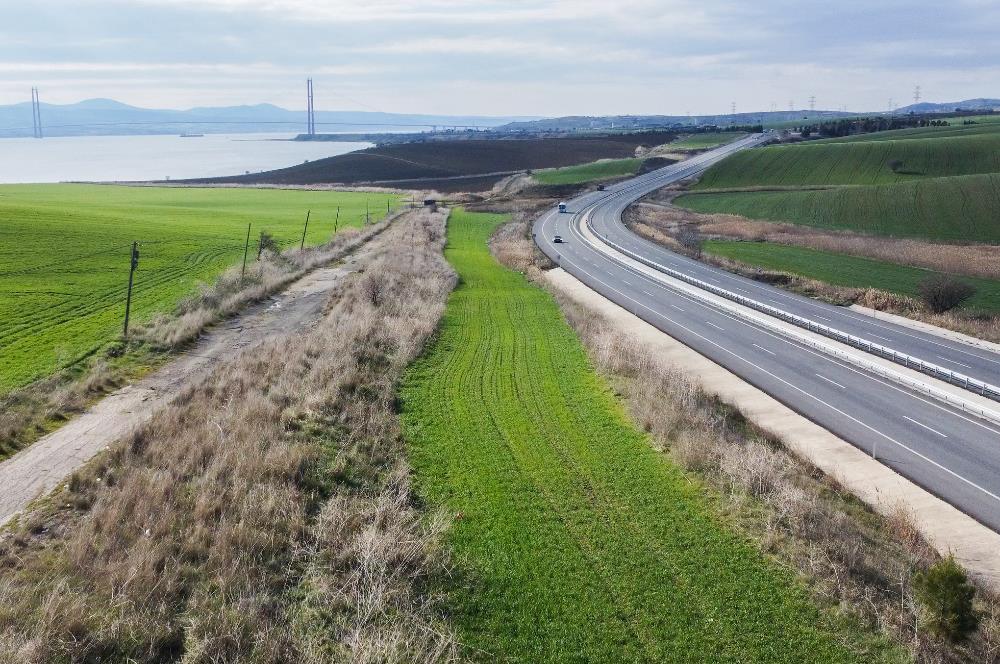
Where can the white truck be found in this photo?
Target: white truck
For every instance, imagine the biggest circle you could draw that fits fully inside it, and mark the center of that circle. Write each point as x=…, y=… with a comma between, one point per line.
x=562, y=207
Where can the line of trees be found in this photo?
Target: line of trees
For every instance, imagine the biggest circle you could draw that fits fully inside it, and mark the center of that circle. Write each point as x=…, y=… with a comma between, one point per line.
x=852, y=126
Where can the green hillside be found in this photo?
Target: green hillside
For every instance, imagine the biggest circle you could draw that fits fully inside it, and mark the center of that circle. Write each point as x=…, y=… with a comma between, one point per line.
x=954, y=209
x=938, y=183
x=856, y=162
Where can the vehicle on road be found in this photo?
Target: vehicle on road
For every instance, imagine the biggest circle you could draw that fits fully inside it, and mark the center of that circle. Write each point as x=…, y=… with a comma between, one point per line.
x=600, y=187
x=562, y=207
x=557, y=239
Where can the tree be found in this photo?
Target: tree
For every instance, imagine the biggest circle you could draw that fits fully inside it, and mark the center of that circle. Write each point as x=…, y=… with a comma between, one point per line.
x=945, y=596
x=690, y=238
x=941, y=292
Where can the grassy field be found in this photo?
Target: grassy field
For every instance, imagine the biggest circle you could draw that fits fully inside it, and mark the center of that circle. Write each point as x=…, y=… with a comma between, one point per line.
x=934, y=183
x=64, y=252
x=575, y=541
x=598, y=170
x=704, y=141
x=955, y=209
x=841, y=270
x=856, y=162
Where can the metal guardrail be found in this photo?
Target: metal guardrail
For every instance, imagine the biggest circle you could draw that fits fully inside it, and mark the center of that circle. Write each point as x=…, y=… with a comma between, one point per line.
x=985, y=389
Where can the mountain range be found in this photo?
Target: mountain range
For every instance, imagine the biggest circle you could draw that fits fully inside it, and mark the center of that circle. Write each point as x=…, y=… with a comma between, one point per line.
x=102, y=117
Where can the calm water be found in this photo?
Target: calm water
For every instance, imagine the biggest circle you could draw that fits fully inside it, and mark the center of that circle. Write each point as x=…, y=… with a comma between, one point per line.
x=101, y=158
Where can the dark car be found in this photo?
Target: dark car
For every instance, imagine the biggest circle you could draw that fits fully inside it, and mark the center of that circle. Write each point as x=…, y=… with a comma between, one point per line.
x=557, y=239
x=600, y=187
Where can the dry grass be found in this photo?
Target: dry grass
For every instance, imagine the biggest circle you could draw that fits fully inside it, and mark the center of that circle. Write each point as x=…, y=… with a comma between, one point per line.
x=28, y=413
x=265, y=515
x=854, y=561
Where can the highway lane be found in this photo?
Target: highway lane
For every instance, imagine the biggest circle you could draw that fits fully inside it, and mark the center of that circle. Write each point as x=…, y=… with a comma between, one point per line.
x=977, y=363
x=948, y=452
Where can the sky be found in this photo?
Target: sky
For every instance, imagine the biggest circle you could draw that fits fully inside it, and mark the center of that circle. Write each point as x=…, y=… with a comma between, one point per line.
x=514, y=57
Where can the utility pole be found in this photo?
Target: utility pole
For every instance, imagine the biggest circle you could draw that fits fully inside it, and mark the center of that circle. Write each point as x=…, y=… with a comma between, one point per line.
x=367, y=213
x=246, y=250
x=336, y=220
x=302, y=244
x=134, y=263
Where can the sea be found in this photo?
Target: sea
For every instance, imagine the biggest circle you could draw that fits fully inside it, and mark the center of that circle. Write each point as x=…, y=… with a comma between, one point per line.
x=126, y=158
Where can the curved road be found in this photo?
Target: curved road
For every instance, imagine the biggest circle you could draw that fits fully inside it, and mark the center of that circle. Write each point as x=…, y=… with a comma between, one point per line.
x=950, y=453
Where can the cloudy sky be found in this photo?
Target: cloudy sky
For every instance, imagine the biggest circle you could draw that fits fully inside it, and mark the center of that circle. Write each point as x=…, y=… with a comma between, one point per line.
x=544, y=57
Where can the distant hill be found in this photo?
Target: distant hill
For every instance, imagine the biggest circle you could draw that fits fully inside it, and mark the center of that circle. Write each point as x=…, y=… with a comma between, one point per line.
x=631, y=122
x=104, y=117
x=967, y=105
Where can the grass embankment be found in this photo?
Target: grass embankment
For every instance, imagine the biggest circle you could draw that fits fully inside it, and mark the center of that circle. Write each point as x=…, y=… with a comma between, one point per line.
x=64, y=252
x=265, y=515
x=576, y=541
x=849, y=271
x=704, y=141
x=598, y=170
x=939, y=185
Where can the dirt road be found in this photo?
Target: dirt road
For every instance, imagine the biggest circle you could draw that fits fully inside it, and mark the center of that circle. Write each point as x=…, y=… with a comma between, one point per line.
x=39, y=468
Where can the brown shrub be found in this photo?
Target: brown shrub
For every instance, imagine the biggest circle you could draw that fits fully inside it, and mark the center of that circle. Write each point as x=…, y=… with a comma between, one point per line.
x=941, y=293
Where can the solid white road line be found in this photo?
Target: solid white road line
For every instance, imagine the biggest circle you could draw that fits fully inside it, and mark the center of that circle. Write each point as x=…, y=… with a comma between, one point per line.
x=924, y=426
x=765, y=350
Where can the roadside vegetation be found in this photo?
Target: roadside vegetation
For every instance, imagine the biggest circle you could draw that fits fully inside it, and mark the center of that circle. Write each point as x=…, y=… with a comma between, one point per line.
x=850, y=271
x=873, y=572
x=64, y=257
x=574, y=539
x=265, y=515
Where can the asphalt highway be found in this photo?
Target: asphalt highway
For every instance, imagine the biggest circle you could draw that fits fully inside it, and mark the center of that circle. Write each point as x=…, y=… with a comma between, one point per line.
x=948, y=452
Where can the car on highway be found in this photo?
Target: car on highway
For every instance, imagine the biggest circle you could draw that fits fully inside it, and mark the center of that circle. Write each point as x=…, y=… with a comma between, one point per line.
x=600, y=187
x=557, y=239
x=562, y=207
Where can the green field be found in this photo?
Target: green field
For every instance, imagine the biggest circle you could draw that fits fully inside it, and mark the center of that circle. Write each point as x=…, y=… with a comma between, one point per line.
x=957, y=209
x=850, y=271
x=64, y=252
x=945, y=185
x=704, y=141
x=574, y=540
x=598, y=170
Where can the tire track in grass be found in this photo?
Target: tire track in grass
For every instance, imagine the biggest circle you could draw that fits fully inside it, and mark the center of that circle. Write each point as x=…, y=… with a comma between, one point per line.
x=576, y=541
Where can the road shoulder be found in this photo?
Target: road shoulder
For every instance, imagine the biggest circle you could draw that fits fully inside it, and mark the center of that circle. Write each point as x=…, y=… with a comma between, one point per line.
x=944, y=527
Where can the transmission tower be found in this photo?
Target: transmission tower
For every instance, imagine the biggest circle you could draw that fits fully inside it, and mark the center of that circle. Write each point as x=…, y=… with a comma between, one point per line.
x=791, y=105
x=36, y=113
x=916, y=95
x=310, y=110
x=812, y=103
x=733, y=107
